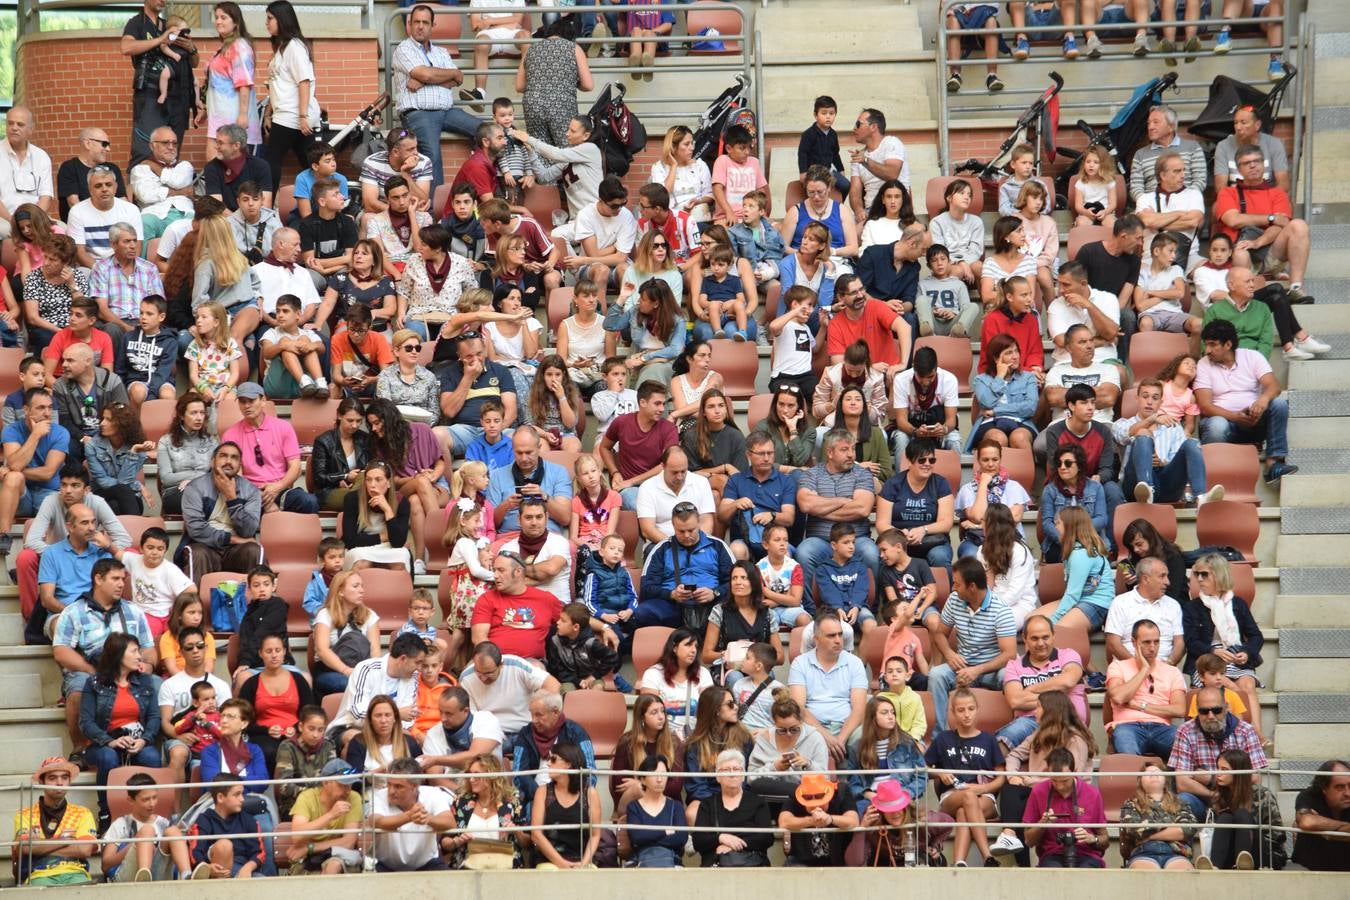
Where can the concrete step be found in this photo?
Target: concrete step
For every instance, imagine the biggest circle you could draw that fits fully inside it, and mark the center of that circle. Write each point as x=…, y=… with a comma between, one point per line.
x=1330, y=431
x=1317, y=643
x=1314, y=520
x=790, y=87
x=11, y=629
x=1324, y=318
x=809, y=29
x=1309, y=741
x=48, y=723
x=1319, y=490
x=1318, y=404
x=1312, y=675
x=1323, y=462
x=23, y=692
x=1329, y=236
x=1311, y=549
x=1310, y=610
x=1312, y=709
x=1291, y=782
x=31, y=661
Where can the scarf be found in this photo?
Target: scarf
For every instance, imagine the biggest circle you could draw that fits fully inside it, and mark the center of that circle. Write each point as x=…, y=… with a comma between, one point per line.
x=544, y=740
x=400, y=223
x=234, y=167
x=923, y=398
x=271, y=260
x=1075, y=493
x=459, y=740
x=595, y=513
x=1221, y=614
x=1223, y=268
x=237, y=758
x=994, y=492
x=437, y=277
x=530, y=547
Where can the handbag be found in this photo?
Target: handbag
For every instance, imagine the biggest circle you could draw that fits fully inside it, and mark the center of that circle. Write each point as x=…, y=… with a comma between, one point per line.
x=352, y=646
x=487, y=855
x=1205, y=836
x=737, y=859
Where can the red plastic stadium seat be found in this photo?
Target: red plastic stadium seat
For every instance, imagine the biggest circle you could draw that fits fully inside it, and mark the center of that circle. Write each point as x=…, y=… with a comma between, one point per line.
x=1161, y=516
x=156, y=418
x=648, y=643
x=935, y=203
x=136, y=525
x=738, y=364
x=559, y=307
x=311, y=418
x=758, y=411
x=285, y=202
x=1086, y=234
x=1228, y=523
x=290, y=539
x=119, y=804
x=1154, y=350
x=604, y=715
x=1236, y=467
x=953, y=354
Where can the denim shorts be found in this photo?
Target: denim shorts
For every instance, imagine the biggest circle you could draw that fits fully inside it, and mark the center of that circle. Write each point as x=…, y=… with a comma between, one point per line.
x=1160, y=852
x=1179, y=11
x=1096, y=615
x=1038, y=18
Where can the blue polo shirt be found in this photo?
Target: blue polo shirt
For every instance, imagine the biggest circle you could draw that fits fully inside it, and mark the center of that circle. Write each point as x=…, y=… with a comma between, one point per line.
x=502, y=484
x=768, y=495
x=72, y=572
x=57, y=439
x=494, y=456
x=827, y=692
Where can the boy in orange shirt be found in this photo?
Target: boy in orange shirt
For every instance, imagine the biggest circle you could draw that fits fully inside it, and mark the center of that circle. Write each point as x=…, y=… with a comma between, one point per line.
x=357, y=354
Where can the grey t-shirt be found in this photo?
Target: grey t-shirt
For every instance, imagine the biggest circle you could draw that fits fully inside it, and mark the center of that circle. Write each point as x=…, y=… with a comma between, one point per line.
x=1276, y=159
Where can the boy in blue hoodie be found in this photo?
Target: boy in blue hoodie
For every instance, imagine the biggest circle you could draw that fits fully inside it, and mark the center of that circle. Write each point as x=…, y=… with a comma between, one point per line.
x=225, y=839
x=149, y=355
x=332, y=555
x=844, y=582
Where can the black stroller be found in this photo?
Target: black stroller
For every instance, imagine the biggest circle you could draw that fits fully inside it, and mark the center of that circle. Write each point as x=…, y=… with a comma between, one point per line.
x=1036, y=126
x=362, y=136
x=1122, y=135
x=732, y=107
x=1215, y=121
x=615, y=130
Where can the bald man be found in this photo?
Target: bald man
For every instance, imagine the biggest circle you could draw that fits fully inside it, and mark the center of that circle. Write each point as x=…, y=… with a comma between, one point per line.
x=530, y=476
x=83, y=392
x=72, y=178
x=1261, y=325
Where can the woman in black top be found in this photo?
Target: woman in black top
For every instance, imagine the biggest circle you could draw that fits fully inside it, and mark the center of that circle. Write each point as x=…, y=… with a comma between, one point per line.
x=715, y=445
x=738, y=622
x=375, y=521
x=340, y=455
x=730, y=808
x=1141, y=540
x=566, y=800
x=365, y=283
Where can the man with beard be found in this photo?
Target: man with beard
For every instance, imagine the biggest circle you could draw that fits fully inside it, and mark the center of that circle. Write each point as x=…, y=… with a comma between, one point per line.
x=1201, y=740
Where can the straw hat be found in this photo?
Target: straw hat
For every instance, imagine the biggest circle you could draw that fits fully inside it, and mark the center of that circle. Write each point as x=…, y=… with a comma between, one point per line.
x=56, y=764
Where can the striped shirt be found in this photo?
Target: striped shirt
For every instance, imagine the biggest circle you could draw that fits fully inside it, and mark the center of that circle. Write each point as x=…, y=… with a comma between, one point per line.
x=978, y=630
x=822, y=482
x=124, y=292
x=409, y=55
x=369, y=679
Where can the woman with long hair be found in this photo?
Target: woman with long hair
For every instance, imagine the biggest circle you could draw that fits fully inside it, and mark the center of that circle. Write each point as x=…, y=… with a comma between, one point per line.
x=382, y=739
x=715, y=445
x=508, y=268
x=184, y=451
x=1009, y=259
x=1006, y=396
x=741, y=620
x=340, y=454
x=650, y=735
x=1068, y=486
x=554, y=408
x=892, y=209
x=407, y=382
x=808, y=265
x=1141, y=539
x=1153, y=824
x=1241, y=799
x=513, y=343
x=717, y=728
x=694, y=376
x=1015, y=316
x=484, y=805
x=222, y=274
x=657, y=327
x=277, y=693
x=990, y=483
x=678, y=679
x=432, y=282
x=789, y=425
x=365, y=283
x=291, y=90
x=1008, y=562
x=119, y=710
x=116, y=458
x=566, y=799
x=338, y=631
x=1219, y=622
x=32, y=234
x=417, y=460
x=652, y=258
x=686, y=177
x=1058, y=725
x=375, y=520
x=49, y=289
x=1089, y=578
x=884, y=745
x=869, y=441
x=230, y=95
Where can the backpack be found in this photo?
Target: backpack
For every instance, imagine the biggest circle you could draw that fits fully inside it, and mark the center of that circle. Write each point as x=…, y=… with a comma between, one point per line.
x=228, y=601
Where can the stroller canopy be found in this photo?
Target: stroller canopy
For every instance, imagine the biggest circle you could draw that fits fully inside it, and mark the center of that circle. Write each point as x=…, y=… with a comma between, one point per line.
x=1227, y=95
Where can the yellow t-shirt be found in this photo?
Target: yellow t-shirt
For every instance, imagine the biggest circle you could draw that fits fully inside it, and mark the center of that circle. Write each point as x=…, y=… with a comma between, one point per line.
x=1230, y=696
x=77, y=824
x=168, y=647
x=308, y=805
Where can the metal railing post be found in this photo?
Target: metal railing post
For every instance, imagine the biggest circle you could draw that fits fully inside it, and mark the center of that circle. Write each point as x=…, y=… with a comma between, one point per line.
x=944, y=111
x=758, y=82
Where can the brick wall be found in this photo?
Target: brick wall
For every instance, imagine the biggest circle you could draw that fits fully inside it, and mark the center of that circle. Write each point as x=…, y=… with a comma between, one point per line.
x=75, y=79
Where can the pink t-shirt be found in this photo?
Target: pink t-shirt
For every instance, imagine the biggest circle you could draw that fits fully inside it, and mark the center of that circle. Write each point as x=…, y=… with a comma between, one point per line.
x=738, y=180
x=279, y=446
x=1181, y=405
x=594, y=523
x=1025, y=673
x=1234, y=388
x=1166, y=680
x=905, y=644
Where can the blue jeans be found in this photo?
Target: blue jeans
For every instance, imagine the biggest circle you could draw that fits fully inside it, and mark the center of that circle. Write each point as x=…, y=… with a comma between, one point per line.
x=942, y=681
x=1144, y=738
x=428, y=125
x=326, y=682
x=1017, y=731
x=1196, y=803
x=299, y=500
x=658, y=611
x=703, y=331
x=462, y=435
x=104, y=759
x=813, y=551
x=629, y=497
x=1169, y=481
x=1273, y=429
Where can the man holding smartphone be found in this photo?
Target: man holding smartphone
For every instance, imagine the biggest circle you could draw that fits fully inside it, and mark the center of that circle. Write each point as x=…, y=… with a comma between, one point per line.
x=684, y=575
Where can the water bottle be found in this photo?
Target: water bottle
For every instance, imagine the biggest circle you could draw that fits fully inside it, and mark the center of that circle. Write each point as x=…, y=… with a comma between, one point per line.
x=1189, y=497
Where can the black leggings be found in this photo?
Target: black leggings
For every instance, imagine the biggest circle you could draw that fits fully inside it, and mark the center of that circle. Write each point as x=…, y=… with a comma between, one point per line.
x=281, y=139
x=123, y=499
x=1229, y=842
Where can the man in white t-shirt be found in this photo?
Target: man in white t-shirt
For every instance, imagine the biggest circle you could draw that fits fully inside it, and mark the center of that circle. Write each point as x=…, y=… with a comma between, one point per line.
x=463, y=735
x=605, y=231
x=175, y=696
x=283, y=273
x=1079, y=303
x=1148, y=600
x=880, y=158
x=406, y=815
x=549, y=568
x=502, y=684
x=90, y=219
x=1173, y=206
x=657, y=497
x=925, y=402
x=1082, y=368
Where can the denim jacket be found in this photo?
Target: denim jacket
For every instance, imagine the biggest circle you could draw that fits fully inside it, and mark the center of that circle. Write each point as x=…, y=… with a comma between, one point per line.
x=617, y=319
x=904, y=755
x=96, y=704
x=770, y=246
x=109, y=467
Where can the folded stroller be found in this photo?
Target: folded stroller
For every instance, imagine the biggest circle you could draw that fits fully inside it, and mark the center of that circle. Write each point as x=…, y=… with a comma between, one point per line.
x=616, y=131
x=1226, y=95
x=732, y=107
x=1036, y=126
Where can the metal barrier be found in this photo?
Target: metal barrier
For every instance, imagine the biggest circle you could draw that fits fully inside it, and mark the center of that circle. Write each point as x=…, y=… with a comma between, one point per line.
x=655, y=107
x=1194, y=94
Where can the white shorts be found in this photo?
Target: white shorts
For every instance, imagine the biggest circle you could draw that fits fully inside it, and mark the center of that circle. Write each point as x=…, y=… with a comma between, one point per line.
x=504, y=40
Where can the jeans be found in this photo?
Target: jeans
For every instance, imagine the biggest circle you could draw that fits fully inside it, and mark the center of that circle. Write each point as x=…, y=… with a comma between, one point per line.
x=813, y=551
x=1017, y=731
x=1229, y=842
x=299, y=500
x=428, y=125
x=104, y=759
x=462, y=435
x=326, y=682
x=1144, y=738
x=703, y=331
x=1169, y=481
x=629, y=497
x=942, y=681
x=1197, y=805
x=656, y=611
x=937, y=557
x=1272, y=429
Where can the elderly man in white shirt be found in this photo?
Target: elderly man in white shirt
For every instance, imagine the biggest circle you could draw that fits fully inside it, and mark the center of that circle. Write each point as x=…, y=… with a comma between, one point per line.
x=25, y=170
x=283, y=273
x=1173, y=206
x=1148, y=600
x=657, y=497
x=162, y=184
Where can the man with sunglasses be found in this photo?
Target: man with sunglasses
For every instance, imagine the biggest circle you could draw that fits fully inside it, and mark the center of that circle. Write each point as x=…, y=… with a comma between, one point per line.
x=175, y=698
x=881, y=158
x=271, y=457
x=605, y=231
x=1199, y=743
x=222, y=515
x=73, y=176
x=25, y=169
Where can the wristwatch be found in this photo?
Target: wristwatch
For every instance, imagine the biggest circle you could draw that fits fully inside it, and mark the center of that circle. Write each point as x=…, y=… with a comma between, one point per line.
x=1271, y=219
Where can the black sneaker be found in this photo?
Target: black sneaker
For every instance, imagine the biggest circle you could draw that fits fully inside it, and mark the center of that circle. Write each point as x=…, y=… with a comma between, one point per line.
x=6, y=543
x=76, y=758
x=993, y=83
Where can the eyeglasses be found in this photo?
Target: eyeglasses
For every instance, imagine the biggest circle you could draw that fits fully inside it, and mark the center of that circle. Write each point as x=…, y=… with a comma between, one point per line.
x=789, y=731
x=1209, y=710
x=1068, y=463
x=104, y=144
x=413, y=348
x=166, y=143
x=201, y=646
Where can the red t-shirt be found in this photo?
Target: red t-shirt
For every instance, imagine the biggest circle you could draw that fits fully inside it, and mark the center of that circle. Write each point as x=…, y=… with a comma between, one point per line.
x=640, y=450
x=1026, y=332
x=125, y=709
x=479, y=172
x=100, y=342
x=538, y=245
x=874, y=327
x=518, y=623
x=1263, y=200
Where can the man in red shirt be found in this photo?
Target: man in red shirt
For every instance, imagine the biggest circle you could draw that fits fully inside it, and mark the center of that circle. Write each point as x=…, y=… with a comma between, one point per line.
x=1259, y=218
x=854, y=317
x=480, y=169
x=644, y=436
x=513, y=615
x=541, y=253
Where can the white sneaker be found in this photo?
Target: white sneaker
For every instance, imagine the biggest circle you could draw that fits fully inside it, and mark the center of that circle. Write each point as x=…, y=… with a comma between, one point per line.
x=321, y=384
x=1312, y=345
x=1297, y=352
x=1209, y=496
x=1143, y=493
x=1006, y=845
x=419, y=567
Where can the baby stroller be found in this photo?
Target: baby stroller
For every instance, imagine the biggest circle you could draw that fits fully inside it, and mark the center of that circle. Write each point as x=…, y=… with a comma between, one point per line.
x=1124, y=132
x=362, y=135
x=1036, y=126
x=1215, y=121
x=732, y=107
x=616, y=131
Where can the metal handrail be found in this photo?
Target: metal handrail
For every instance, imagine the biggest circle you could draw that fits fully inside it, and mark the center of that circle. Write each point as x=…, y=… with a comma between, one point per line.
x=395, y=31
x=1304, y=126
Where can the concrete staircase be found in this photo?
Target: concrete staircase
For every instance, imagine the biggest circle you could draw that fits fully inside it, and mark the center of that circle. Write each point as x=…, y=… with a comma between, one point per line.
x=1312, y=676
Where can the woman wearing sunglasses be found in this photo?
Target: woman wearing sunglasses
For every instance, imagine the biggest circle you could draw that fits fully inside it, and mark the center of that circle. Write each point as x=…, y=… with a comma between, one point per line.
x=652, y=259
x=1068, y=484
x=922, y=505
x=1218, y=621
